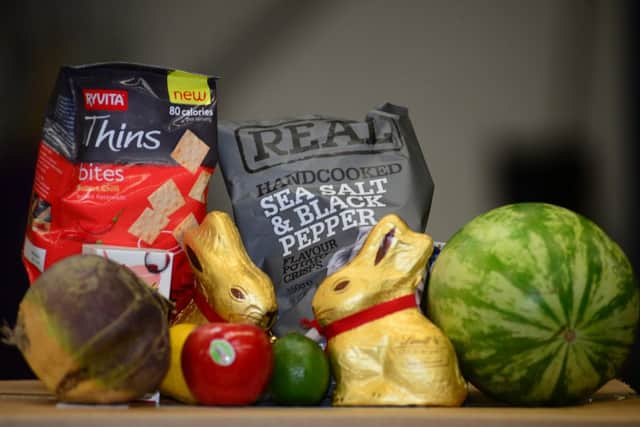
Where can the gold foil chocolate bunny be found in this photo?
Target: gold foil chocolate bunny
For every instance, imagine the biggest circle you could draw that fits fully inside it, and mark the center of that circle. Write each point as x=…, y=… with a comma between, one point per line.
x=229, y=286
x=383, y=350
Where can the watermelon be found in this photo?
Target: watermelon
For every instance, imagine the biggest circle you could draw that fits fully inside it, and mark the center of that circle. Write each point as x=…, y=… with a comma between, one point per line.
x=539, y=303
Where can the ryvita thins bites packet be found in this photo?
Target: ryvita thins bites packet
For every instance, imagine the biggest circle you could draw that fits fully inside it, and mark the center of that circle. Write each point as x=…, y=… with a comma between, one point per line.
x=305, y=190
x=123, y=169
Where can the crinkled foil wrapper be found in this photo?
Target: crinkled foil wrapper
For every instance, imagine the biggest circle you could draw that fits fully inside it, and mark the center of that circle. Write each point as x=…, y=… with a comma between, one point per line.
x=231, y=284
x=399, y=359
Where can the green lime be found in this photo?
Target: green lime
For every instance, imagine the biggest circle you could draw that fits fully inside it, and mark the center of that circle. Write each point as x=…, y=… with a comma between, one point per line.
x=301, y=371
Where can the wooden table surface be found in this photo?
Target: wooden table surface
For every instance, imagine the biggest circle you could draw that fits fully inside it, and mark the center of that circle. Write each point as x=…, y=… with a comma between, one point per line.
x=27, y=403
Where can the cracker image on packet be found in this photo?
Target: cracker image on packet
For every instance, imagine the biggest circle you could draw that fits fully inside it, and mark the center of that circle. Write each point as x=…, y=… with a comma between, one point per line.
x=187, y=223
x=149, y=225
x=167, y=198
x=198, y=191
x=190, y=151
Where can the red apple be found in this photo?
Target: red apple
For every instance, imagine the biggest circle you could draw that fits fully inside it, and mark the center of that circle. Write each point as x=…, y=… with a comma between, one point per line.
x=227, y=363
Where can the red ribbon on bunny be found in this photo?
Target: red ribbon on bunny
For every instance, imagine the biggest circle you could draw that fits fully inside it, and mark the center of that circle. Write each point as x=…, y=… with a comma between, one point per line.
x=204, y=307
x=360, y=318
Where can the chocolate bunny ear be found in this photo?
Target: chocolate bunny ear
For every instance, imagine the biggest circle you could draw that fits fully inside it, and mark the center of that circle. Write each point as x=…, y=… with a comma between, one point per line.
x=385, y=245
x=220, y=232
x=390, y=237
x=381, y=239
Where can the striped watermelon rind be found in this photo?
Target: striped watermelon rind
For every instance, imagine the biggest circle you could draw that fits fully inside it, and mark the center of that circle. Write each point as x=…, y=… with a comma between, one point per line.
x=540, y=304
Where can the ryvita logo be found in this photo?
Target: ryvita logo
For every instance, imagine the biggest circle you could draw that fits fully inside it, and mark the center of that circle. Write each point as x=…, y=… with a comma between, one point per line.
x=105, y=100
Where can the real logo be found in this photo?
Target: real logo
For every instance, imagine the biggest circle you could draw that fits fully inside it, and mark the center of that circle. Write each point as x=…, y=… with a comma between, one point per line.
x=105, y=99
x=265, y=146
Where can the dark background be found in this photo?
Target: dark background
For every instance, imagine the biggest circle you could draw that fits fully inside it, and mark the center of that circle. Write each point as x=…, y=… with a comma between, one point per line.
x=512, y=101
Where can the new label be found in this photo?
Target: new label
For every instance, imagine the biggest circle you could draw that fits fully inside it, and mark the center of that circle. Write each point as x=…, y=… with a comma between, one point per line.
x=188, y=88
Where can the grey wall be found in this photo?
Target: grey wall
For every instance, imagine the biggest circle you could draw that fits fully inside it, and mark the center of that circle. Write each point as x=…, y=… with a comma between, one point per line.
x=510, y=99
x=479, y=77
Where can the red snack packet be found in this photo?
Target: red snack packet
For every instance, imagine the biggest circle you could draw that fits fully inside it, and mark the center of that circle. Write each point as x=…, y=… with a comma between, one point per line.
x=123, y=170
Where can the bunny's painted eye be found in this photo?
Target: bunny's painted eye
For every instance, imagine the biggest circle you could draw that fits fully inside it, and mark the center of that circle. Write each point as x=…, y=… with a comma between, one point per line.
x=384, y=246
x=237, y=293
x=341, y=285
